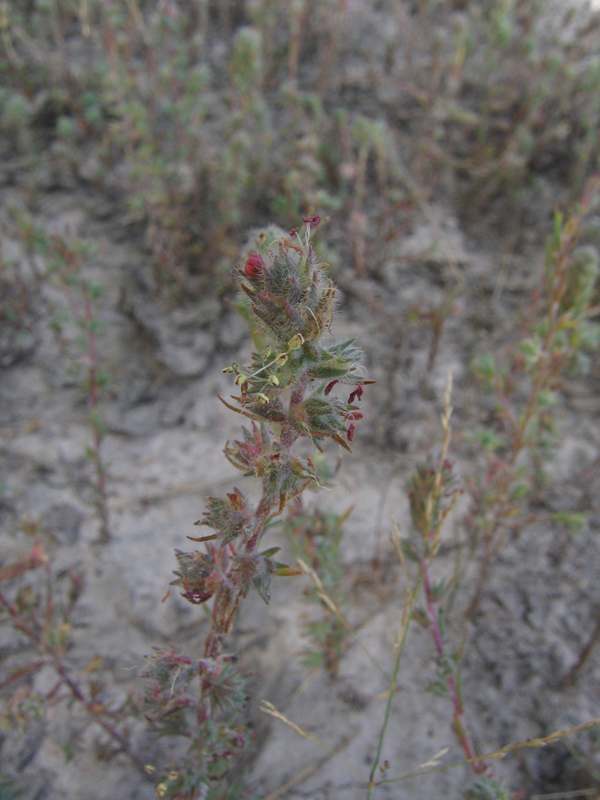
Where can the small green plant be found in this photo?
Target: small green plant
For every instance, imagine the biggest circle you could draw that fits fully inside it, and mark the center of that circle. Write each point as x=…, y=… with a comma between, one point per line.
x=315, y=536
x=77, y=327
x=290, y=390
x=432, y=494
x=557, y=345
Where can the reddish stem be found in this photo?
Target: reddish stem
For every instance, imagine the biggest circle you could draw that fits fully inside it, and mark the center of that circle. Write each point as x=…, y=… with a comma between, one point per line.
x=65, y=675
x=93, y=390
x=87, y=316
x=460, y=728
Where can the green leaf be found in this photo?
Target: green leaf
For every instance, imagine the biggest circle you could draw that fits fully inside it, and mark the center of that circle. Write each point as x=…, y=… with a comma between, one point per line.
x=546, y=399
x=420, y=617
x=489, y=440
x=484, y=369
x=520, y=491
x=312, y=659
x=270, y=552
x=575, y=521
x=331, y=368
x=531, y=349
x=437, y=590
x=409, y=551
x=95, y=290
x=323, y=416
x=438, y=688
x=284, y=571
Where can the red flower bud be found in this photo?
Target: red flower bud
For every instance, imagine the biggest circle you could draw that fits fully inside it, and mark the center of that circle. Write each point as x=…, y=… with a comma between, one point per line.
x=330, y=386
x=351, y=430
x=254, y=265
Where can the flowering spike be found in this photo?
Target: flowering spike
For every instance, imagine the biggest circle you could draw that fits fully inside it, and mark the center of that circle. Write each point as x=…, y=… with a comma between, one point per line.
x=286, y=391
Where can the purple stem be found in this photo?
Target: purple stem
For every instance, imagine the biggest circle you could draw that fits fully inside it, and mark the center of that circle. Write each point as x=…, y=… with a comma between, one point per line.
x=462, y=733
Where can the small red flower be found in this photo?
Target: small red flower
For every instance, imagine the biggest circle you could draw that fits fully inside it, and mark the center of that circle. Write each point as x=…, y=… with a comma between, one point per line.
x=254, y=265
x=351, y=430
x=330, y=386
x=312, y=222
x=356, y=395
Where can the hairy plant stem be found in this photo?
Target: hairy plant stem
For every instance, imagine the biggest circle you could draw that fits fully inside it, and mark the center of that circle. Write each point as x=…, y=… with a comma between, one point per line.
x=293, y=304
x=227, y=598
x=225, y=605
